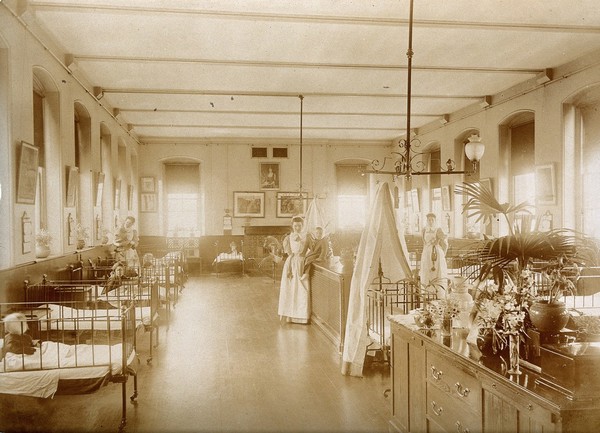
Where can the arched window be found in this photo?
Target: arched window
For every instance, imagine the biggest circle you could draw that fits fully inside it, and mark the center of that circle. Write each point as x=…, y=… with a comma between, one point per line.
x=46, y=136
x=184, y=209
x=352, y=196
x=83, y=162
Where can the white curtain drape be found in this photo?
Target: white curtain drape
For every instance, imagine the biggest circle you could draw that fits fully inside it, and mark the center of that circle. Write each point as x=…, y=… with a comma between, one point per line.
x=379, y=240
x=314, y=217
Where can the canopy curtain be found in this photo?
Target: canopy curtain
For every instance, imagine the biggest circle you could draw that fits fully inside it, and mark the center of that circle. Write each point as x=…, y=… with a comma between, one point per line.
x=380, y=239
x=314, y=217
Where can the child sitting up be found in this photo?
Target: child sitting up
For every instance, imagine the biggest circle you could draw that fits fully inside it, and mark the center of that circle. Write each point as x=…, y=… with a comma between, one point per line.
x=16, y=339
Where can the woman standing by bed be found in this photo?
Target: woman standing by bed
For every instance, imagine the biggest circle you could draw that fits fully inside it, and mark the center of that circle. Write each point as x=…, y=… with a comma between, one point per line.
x=294, y=293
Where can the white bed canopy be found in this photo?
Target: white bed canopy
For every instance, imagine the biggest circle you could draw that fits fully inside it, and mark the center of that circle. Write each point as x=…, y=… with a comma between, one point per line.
x=379, y=240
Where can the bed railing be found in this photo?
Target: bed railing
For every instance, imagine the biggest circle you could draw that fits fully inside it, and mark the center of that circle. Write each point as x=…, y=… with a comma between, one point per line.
x=385, y=298
x=107, y=346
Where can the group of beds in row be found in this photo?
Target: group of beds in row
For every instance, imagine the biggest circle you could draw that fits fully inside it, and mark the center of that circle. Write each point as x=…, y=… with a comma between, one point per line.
x=73, y=335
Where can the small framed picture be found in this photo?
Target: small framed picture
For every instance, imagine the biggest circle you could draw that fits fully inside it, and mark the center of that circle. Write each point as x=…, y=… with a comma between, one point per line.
x=249, y=204
x=27, y=174
x=269, y=175
x=446, y=199
x=72, y=184
x=148, y=202
x=129, y=197
x=291, y=203
x=147, y=184
x=545, y=184
x=99, y=188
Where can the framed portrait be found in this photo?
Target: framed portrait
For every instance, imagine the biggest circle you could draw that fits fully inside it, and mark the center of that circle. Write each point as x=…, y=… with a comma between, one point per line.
x=269, y=175
x=99, y=188
x=27, y=173
x=291, y=203
x=148, y=202
x=249, y=204
x=446, y=198
x=72, y=184
x=545, y=184
x=147, y=184
x=117, y=193
x=545, y=222
x=415, y=200
x=129, y=197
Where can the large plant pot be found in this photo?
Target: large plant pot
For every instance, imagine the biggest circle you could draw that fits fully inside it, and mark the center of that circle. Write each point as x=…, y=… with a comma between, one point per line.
x=42, y=251
x=549, y=317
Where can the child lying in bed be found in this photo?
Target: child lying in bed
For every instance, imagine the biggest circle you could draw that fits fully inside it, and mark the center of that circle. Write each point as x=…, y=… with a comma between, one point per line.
x=16, y=339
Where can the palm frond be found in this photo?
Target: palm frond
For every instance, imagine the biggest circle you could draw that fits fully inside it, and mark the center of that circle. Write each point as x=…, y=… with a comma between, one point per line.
x=482, y=204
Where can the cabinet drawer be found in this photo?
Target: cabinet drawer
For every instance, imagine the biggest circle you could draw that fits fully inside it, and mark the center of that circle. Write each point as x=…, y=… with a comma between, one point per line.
x=453, y=381
x=452, y=416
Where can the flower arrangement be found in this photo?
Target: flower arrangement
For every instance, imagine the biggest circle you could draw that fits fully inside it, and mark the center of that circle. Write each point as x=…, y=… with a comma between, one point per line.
x=562, y=274
x=43, y=238
x=443, y=308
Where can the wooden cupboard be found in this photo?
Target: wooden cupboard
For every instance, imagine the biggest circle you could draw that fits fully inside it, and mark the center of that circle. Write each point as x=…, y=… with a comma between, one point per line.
x=444, y=385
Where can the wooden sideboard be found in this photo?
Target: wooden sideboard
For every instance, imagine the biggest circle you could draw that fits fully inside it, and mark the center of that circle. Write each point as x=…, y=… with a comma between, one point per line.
x=330, y=289
x=443, y=385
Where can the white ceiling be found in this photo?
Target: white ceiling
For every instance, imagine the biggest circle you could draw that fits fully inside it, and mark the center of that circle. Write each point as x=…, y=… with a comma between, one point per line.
x=179, y=70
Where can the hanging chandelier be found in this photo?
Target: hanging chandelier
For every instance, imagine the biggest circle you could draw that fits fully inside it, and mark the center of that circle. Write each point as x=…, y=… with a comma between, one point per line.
x=409, y=162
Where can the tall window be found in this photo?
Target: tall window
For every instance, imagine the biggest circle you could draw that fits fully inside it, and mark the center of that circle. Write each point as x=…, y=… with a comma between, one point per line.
x=352, y=196
x=183, y=198
x=38, y=140
x=522, y=166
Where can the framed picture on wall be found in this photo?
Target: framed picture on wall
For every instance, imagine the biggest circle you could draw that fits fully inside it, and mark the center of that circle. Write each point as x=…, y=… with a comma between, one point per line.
x=415, y=200
x=545, y=184
x=269, y=175
x=291, y=203
x=148, y=202
x=117, y=184
x=446, y=199
x=72, y=183
x=129, y=197
x=147, y=184
x=99, y=188
x=248, y=204
x=27, y=174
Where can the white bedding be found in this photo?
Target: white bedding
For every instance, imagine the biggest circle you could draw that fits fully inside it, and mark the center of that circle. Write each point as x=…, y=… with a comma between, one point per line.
x=41, y=371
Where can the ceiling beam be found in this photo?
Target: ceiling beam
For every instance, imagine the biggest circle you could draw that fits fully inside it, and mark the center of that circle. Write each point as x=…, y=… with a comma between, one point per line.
x=277, y=94
x=306, y=18
x=275, y=113
x=296, y=65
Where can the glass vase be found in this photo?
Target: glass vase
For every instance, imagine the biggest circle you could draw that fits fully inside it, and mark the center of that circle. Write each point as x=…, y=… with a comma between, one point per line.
x=513, y=347
x=446, y=326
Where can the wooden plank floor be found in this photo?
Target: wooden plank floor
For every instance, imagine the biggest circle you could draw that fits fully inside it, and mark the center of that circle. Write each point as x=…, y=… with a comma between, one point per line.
x=226, y=364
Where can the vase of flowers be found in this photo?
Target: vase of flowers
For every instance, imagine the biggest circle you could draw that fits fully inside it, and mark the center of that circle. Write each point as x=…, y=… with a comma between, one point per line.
x=443, y=312
x=43, y=239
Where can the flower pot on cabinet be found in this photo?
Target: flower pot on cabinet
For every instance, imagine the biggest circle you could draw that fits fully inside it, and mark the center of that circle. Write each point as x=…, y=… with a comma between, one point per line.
x=42, y=251
x=548, y=316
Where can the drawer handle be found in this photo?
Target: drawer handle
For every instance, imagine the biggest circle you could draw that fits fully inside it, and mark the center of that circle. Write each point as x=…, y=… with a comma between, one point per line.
x=463, y=392
x=435, y=409
x=460, y=429
x=435, y=373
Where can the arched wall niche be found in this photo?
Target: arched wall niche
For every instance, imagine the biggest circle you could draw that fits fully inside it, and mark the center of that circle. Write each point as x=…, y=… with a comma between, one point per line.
x=581, y=155
x=6, y=182
x=51, y=196
x=106, y=169
x=508, y=142
x=83, y=160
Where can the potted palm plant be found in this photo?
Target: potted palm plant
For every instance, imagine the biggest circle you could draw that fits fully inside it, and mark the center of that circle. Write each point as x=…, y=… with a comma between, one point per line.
x=508, y=259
